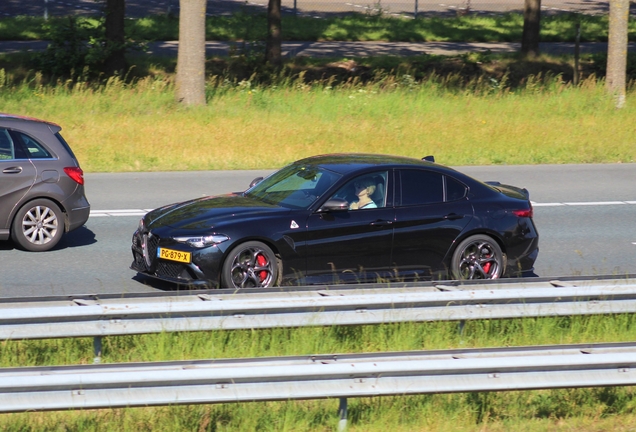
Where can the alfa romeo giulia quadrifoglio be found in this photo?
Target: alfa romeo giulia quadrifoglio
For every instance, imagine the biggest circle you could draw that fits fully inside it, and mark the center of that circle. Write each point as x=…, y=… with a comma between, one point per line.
x=342, y=218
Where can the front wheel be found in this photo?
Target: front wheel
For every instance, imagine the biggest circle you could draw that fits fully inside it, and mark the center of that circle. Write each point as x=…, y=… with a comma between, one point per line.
x=250, y=265
x=477, y=257
x=38, y=226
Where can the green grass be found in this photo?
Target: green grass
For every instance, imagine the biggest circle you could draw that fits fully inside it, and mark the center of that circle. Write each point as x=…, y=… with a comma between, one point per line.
x=585, y=409
x=353, y=27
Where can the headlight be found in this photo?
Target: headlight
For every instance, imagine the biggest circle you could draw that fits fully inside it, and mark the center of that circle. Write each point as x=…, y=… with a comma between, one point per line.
x=199, y=242
x=140, y=227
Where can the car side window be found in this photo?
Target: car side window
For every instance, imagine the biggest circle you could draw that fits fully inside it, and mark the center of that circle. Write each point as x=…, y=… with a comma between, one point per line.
x=365, y=192
x=34, y=149
x=454, y=189
x=421, y=187
x=7, y=151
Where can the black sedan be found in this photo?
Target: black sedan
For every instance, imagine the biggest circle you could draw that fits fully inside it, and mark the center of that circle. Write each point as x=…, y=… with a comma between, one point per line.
x=342, y=218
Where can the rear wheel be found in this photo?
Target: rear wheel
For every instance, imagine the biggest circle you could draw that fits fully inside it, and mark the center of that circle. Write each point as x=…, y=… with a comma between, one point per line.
x=478, y=257
x=250, y=265
x=38, y=226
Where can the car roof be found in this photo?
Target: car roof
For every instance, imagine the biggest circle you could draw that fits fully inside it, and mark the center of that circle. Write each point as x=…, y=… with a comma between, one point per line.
x=25, y=118
x=344, y=163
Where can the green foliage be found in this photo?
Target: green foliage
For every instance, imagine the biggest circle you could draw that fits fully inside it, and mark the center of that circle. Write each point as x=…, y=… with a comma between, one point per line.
x=74, y=48
x=77, y=49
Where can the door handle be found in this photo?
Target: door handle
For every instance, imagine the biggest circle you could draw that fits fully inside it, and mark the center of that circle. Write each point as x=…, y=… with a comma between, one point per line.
x=381, y=223
x=12, y=170
x=453, y=216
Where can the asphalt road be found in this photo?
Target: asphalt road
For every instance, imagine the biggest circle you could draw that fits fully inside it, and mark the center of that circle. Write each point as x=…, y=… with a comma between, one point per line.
x=349, y=49
x=138, y=8
x=585, y=215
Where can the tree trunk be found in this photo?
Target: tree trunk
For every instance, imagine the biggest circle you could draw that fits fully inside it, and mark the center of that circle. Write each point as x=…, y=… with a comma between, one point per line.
x=191, y=54
x=273, y=49
x=617, y=50
x=531, y=28
x=115, y=62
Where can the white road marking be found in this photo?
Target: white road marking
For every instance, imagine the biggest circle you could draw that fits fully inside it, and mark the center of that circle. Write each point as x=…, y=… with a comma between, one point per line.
x=590, y=203
x=141, y=212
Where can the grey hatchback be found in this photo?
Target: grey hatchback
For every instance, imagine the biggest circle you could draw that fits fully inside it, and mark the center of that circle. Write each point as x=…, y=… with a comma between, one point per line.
x=41, y=184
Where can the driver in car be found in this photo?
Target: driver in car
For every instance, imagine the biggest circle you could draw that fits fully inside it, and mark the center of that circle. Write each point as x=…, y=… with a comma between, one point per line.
x=364, y=187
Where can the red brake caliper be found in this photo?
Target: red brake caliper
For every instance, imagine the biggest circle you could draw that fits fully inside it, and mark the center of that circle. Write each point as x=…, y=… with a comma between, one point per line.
x=262, y=261
x=487, y=267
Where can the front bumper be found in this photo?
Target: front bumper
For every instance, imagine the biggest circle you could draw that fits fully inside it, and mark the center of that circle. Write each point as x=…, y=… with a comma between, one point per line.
x=202, y=272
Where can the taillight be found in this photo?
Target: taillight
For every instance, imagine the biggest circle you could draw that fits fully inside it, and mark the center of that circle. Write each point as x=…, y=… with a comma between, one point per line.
x=526, y=213
x=75, y=173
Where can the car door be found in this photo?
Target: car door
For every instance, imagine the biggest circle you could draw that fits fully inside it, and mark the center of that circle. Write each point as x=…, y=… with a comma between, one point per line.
x=17, y=176
x=431, y=211
x=352, y=245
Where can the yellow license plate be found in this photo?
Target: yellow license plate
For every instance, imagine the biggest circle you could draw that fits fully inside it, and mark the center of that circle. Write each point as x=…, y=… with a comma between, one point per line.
x=174, y=255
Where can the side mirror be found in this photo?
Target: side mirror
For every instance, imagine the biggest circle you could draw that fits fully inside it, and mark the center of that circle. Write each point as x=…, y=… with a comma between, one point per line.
x=256, y=181
x=335, y=204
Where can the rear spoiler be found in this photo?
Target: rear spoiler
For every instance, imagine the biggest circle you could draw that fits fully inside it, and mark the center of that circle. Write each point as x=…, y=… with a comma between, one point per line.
x=497, y=184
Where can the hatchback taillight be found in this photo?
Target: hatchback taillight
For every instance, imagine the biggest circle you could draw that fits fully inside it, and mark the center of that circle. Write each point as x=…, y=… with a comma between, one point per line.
x=527, y=213
x=75, y=173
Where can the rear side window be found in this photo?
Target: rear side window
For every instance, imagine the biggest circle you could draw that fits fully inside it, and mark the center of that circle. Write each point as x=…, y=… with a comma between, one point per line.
x=454, y=189
x=33, y=149
x=421, y=187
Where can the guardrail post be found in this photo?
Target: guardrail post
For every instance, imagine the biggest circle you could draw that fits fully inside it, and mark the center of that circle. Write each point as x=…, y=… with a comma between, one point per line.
x=97, y=347
x=342, y=411
x=462, y=323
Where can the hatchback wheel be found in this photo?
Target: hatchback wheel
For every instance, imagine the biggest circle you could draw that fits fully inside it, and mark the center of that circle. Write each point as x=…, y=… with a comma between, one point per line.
x=250, y=265
x=38, y=226
x=477, y=257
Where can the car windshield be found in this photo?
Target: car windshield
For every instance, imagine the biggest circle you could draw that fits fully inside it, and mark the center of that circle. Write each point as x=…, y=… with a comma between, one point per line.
x=295, y=186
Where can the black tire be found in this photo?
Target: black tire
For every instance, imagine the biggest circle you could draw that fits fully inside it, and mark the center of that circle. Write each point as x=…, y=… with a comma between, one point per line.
x=478, y=257
x=250, y=265
x=38, y=226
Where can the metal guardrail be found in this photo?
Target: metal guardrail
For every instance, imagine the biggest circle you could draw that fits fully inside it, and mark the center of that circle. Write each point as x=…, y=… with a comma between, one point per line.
x=36, y=318
x=314, y=377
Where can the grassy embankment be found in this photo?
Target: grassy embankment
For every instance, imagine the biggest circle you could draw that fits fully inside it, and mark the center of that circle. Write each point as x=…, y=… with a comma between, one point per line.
x=138, y=126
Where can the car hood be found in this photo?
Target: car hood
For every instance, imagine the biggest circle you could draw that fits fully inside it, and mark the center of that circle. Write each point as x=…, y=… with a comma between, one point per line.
x=205, y=213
